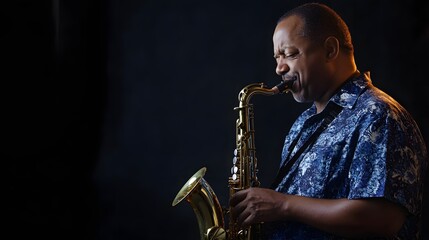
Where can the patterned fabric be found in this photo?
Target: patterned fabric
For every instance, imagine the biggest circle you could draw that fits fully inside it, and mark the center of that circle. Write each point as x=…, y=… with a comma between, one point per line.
x=372, y=149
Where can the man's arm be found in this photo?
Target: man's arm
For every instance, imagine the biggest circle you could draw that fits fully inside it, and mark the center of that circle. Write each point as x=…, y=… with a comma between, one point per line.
x=344, y=217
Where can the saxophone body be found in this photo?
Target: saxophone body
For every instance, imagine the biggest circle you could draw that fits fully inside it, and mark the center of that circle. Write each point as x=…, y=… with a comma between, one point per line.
x=210, y=215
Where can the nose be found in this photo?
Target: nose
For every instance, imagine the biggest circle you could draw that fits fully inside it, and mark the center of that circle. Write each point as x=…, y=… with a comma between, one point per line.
x=282, y=68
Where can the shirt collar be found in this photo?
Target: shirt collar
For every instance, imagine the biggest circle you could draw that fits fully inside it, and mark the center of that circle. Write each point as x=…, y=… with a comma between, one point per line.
x=348, y=94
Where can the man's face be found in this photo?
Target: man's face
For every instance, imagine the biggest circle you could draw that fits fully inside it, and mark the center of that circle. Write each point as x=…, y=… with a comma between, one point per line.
x=297, y=56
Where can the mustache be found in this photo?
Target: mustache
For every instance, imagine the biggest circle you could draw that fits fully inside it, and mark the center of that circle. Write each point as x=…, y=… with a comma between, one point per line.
x=285, y=85
x=289, y=78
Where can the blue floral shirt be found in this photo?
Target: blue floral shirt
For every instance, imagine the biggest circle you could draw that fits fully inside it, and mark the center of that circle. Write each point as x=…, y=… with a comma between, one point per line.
x=372, y=149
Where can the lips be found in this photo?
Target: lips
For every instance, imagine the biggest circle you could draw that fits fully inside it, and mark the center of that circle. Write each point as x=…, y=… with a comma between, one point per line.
x=291, y=79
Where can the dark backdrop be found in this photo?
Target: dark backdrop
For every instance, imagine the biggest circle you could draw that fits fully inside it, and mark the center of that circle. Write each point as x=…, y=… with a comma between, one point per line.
x=110, y=106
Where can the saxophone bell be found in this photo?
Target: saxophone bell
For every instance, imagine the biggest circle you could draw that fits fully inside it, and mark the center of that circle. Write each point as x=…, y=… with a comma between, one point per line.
x=205, y=204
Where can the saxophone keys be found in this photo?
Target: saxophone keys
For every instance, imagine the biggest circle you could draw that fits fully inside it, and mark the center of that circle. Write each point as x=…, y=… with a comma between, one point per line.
x=235, y=177
x=234, y=182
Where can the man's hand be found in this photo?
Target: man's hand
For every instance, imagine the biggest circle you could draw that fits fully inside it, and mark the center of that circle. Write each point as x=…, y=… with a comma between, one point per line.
x=349, y=218
x=255, y=205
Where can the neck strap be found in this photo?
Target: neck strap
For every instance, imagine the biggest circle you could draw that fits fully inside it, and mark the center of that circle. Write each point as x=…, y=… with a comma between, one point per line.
x=333, y=113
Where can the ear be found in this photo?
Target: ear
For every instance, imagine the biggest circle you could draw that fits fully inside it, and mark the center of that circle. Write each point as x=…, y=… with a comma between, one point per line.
x=332, y=47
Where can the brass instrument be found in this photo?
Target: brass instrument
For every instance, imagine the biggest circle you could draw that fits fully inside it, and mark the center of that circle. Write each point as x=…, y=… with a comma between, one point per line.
x=200, y=195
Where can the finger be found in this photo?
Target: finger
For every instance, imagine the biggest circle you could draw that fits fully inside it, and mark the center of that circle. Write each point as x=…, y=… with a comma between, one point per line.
x=248, y=218
x=237, y=197
x=242, y=217
x=238, y=209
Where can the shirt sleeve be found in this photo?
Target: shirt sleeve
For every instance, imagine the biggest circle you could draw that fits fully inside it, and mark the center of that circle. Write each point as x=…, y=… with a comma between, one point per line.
x=387, y=162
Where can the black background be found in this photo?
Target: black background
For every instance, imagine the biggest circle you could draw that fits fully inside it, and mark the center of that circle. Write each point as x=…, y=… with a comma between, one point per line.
x=108, y=107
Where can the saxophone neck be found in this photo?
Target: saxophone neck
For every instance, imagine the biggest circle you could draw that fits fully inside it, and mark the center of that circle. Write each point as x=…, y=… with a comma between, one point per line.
x=253, y=89
x=260, y=88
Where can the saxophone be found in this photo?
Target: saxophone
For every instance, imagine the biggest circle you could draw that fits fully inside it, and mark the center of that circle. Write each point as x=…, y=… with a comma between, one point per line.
x=203, y=200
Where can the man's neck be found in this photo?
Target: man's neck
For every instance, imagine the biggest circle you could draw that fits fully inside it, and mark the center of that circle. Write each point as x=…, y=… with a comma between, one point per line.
x=336, y=84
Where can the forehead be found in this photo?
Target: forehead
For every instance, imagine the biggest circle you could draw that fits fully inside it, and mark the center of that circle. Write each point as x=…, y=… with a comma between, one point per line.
x=288, y=31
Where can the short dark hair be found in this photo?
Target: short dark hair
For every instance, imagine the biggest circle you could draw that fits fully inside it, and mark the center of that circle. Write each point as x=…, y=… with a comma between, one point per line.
x=320, y=22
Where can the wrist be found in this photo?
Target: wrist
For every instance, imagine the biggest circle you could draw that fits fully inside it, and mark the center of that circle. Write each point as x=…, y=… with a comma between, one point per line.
x=286, y=207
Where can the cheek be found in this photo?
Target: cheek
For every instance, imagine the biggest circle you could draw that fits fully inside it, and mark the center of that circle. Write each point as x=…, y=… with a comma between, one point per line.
x=316, y=69
x=312, y=81
x=308, y=71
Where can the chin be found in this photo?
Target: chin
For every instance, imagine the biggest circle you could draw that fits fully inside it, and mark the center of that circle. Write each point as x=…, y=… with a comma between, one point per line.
x=299, y=98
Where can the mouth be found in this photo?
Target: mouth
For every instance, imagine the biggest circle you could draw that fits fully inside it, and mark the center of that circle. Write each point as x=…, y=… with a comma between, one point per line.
x=290, y=80
x=285, y=85
x=287, y=78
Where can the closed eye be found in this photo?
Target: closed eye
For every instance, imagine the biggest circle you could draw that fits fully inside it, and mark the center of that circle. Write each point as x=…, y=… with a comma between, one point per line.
x=292, y=55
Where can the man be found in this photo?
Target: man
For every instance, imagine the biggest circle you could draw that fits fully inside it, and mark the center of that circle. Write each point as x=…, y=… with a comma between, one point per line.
x=353, y=163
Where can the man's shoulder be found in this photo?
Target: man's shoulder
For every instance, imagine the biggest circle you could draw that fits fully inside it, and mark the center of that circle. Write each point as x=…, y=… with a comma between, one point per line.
x=377, y=103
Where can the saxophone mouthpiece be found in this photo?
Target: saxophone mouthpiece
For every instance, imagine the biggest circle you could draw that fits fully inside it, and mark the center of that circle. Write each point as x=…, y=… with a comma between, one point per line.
x=284, y=85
